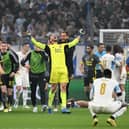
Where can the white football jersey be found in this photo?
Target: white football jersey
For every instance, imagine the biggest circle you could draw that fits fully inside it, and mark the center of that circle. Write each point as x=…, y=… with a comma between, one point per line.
x=22, y=76
x=119, y=70
x=103, y=89
x=108, y=61
x=21, y=56
x=119, y=59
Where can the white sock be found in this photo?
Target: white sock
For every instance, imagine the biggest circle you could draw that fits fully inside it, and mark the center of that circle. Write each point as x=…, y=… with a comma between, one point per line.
x=91, y=111
x=123, y=96
x=18, y=93
x=119, y=112
x=76, y=105
x=25, y=95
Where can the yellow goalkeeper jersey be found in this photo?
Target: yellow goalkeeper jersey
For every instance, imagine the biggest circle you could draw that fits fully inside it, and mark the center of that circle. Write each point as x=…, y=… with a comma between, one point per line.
x=57, y=58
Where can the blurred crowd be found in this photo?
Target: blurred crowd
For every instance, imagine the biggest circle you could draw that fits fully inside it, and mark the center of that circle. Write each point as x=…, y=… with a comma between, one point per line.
x=43, y=17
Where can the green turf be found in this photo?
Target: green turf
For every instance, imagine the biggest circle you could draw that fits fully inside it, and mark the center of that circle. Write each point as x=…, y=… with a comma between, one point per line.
x=78, y=119
x=76, y=89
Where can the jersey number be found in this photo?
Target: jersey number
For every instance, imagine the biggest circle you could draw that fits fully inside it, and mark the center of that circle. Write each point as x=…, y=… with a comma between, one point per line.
x=102, y=88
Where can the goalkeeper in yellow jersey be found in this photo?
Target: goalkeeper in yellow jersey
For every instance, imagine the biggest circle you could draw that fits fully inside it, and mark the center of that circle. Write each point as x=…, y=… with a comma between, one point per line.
x=58, y=68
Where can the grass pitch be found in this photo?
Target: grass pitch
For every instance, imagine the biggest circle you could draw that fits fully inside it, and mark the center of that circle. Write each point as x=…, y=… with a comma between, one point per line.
x=80, y=118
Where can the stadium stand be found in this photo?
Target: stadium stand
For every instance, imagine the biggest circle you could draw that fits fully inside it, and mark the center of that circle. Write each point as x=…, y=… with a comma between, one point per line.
x=41, y=17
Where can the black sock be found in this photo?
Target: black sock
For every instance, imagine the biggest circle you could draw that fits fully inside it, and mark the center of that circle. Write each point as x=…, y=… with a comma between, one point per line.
x=10, y=100
x=112, y=117
x=94, y=116
x=4, y=99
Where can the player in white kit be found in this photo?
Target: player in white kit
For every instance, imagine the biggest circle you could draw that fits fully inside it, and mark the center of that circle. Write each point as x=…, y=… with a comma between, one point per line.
x=103, y=95
x=108, y=59
x=22, y=77
x=119, y=70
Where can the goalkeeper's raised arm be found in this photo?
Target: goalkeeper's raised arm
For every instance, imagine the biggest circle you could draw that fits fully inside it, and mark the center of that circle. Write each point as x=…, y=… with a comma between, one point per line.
x=38, y=44
x=74, y=42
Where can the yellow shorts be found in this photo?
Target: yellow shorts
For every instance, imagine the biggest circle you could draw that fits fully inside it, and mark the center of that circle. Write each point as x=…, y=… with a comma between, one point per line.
x=59, y=75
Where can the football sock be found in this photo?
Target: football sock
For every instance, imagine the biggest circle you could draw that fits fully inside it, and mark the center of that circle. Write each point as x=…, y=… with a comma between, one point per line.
x=123, y=96
x=63, y=98
x=4, y=99
x=10, y=99
x=50, y=98
x=17, y=95
x=24, y=95
x=119, y=112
